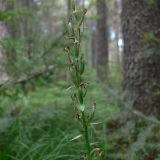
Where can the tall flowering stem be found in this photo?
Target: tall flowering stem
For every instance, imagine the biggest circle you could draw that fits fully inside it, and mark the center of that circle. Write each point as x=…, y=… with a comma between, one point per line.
x=76, y=69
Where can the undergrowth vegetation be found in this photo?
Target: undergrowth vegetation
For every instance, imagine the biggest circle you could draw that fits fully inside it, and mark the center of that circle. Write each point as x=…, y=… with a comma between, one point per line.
x=41, y=124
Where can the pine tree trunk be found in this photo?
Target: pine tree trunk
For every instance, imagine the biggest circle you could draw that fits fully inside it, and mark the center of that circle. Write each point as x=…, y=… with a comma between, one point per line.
x=117, y=28
x=142, y=54
x=3, y=33
x=102, y=40
x=69, y=8
x=117, y=48
x=93, y=49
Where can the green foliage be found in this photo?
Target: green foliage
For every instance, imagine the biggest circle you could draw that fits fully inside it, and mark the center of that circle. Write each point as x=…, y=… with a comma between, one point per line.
x=149, y=2
x=48, y=138
x=14, y=14
x=5, y=123
x=153, y=53
x=150, y=37
x=45, y=126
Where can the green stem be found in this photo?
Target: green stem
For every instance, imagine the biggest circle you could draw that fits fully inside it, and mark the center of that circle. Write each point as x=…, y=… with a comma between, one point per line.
x=86, y=135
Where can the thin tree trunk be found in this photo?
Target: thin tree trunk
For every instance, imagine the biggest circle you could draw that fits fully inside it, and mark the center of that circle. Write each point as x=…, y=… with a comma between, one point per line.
x=3, y=33
x=117, y=48
x=93, y=49
x=102, y=40
x=117, y=29
x=69, y=8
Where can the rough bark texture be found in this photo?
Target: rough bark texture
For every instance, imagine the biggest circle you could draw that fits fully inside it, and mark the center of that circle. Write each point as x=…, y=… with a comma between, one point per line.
x=141, y=57
x=102, y=40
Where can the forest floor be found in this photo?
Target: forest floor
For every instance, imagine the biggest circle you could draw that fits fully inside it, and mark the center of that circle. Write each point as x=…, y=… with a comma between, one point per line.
x=41, y=124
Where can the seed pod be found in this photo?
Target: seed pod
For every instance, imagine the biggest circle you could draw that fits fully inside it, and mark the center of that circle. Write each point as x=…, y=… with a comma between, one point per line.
x=80, y=95
x=76, y=50
x=82, y=67
x=73, y=76
x=82, y=17
x=79, y=35
x=73, y=5
x=70, y=29
x=80, y=79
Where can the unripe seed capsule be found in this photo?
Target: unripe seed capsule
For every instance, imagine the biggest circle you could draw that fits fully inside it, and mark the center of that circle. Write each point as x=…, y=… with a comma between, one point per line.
x=80, y=95
x=73, y=76
x=76, y=50
x=82, y=67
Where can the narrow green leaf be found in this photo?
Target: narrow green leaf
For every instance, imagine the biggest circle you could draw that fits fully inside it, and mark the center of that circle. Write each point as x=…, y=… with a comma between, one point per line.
x=76, y=137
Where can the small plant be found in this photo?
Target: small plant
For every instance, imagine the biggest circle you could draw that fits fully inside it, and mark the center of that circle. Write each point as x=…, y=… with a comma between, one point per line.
x=76, y=69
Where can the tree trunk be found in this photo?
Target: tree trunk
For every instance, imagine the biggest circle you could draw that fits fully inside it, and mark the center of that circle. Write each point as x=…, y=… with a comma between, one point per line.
x=93, y=48
x=69, y=8
x=141, y=24
x=102, y=40
x=26, y=28
x=117, y=28
x=3, y=33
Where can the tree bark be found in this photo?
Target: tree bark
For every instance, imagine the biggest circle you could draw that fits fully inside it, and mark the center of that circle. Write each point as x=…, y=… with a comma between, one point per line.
x=117, y=28
x=69, y=8
x=102, y=40
x=141, y=55
x=3, y=33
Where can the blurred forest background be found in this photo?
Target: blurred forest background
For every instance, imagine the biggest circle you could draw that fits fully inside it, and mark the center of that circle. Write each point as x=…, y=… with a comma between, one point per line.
x=121, y=45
